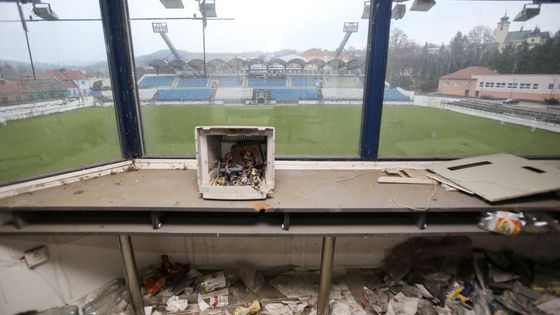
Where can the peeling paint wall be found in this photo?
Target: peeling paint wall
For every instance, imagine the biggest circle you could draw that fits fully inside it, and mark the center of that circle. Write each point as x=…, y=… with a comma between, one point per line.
x=79, y=265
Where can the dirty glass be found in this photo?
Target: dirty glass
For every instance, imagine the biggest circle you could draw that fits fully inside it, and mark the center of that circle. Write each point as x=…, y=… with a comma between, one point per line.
x=295, y=65
x=472, y=77
x=55, y=108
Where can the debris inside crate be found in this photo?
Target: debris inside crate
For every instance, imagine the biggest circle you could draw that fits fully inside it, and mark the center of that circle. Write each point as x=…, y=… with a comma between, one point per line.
x=235, y=162
x=244, y=165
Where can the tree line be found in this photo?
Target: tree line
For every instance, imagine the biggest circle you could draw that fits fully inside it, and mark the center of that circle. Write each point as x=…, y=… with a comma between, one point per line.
x=418, y=67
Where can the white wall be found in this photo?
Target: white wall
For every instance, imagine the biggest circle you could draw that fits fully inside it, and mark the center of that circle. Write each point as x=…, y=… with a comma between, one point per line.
x=79, y=265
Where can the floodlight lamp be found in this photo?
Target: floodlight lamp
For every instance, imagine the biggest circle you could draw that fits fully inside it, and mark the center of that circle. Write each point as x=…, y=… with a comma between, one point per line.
x=44, y=11
x=528, y=12
x=172, y=4
x=209, y=7
x=422, y=5
x=367, y=9
x=398, y=11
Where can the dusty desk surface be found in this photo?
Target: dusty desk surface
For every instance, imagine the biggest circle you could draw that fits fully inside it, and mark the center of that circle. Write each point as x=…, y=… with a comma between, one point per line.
x=295, y=191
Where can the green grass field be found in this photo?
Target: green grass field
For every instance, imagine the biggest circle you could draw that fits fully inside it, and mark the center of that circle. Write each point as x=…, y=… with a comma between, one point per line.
x=68, y=140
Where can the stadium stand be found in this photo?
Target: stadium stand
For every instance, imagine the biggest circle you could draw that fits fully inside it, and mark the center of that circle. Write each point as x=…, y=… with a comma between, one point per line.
x=293, y=94
x=395, y=95
x=184, y=94
x=234, y=81
x=258, y=82
x=146, y=94
x=500, y=109
x=342, y=94
x=234, y=94
x=342, y=82
x=192, y=82
x=156, y=81
x=302, y=81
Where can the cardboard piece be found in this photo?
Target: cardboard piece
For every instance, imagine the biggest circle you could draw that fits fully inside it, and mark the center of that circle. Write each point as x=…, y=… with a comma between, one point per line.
x=500, y=177
x=448, y=182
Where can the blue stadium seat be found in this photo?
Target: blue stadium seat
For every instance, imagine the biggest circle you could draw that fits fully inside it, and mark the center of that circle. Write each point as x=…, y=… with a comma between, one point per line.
x=395, y=95
x=192, y=82
x=294, y=94
x=184, y=94
x=155, y=81
x=254, y=82
x=234, y=81
x=301, y=80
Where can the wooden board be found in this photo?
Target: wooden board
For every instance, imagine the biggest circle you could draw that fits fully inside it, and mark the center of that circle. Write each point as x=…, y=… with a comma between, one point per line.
x=500, y=177
x=405, y=176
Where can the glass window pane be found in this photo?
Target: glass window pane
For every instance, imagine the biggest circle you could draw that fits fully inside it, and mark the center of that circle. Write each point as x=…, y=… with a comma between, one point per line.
x=270, y=63
x=472, y=77
x=58, y=114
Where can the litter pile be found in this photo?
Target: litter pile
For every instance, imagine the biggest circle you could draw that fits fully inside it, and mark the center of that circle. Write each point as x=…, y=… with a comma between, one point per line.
x=419, y=276
x=422, y=276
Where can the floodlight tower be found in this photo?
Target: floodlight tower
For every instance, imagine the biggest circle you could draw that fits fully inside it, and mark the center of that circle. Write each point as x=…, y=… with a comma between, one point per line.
x=161, y=29
x=207, y=9
x=349, y=28
x=42, y=10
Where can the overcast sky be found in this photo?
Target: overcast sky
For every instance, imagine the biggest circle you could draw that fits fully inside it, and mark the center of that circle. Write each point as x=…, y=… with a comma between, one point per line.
x=259, y=25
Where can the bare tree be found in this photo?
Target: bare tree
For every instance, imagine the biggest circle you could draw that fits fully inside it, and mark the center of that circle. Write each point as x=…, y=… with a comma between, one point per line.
x=478, y=42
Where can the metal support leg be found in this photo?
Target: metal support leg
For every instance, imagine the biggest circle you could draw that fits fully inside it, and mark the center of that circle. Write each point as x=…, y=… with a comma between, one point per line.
x=130, y=274
x=327, y=257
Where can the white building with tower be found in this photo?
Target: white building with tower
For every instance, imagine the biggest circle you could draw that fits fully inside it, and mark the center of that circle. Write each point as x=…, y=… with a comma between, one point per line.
x=515, y=38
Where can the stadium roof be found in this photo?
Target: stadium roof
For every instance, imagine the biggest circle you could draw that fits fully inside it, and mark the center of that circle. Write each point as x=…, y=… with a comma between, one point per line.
x=12, y=87
x=64, y=74
x=44, y=85
x=468, y=72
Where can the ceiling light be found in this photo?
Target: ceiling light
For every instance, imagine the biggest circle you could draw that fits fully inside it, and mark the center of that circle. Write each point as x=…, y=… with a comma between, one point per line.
x=422, y=5
x=44, y=11
x=398, y=11
x=529, y=11
x=172, y=4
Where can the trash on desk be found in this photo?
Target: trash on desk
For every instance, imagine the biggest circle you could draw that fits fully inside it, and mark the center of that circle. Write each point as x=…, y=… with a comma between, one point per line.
x=170, y=268
x=540, y=222
x=213, y=281
x=252, y=308
x=175, y=304
x=154, y=281
x=460, y=291
x=402, y=304
x=502, y=222
x=215, y=299
x=110, y=299
x=250, y=276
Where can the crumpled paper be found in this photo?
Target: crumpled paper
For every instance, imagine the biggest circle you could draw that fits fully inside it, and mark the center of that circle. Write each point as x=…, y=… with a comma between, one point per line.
x=174, y=304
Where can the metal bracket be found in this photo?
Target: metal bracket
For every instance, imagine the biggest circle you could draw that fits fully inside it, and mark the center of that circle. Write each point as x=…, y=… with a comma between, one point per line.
x=420, y=220
x=286, y=222
x=157, y=219
x=19, y=221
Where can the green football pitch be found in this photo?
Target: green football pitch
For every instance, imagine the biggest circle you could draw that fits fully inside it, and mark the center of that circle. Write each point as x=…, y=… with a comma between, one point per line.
x=88, y=136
